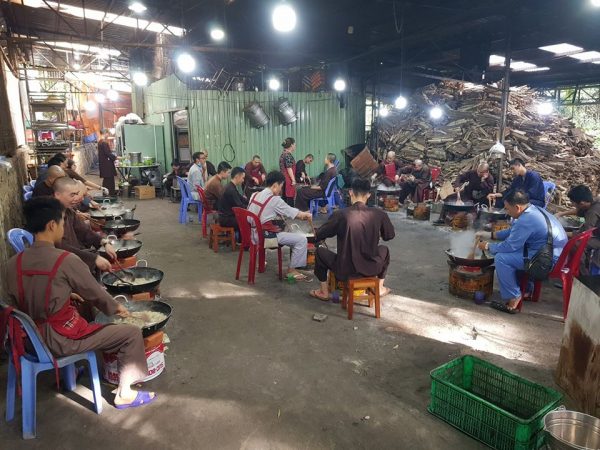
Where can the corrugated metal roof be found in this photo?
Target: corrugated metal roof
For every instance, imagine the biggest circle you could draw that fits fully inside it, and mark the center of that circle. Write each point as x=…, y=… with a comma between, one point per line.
x=217, y=119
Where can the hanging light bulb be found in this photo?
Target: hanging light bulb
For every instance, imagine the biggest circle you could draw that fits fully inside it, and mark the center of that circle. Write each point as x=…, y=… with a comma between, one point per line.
x=140, y=78
x=77, y=66
x=545, y=108
x=99, y=97
x=274, y=84
x=436, y=113
x=401, y=102
x=384, y=111
x=186, y=63
x=217, y=34
x=284, y=18
x=137, y=7
x=112, y=95
x=90, y=106
x=339, y=85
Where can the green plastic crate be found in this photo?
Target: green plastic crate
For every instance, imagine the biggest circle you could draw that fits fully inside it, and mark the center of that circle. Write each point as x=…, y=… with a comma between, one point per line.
x=494, y=406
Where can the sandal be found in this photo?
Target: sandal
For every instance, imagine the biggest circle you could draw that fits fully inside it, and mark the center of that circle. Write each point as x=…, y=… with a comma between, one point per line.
x=314, y=293
x=142, y=398
x=300, y=277
x=501, y=306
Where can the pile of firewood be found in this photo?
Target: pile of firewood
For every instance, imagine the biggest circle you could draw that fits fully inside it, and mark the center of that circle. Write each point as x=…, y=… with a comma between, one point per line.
x=550, y=145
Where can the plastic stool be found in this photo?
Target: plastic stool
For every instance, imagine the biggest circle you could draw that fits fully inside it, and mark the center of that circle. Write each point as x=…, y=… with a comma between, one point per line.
x=220, y=234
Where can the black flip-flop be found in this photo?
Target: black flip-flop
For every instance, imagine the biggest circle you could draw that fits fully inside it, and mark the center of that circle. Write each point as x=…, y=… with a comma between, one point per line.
x=500, y=306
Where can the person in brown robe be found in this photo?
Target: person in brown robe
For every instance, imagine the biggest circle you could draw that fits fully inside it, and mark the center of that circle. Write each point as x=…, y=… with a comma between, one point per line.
x=74, y=284
x=44, y=188
x=106, y=163
x=358, y=229
x=78, y=237
x=308, y=193
x=214, y=187
x=255, y=172
x=414, y=180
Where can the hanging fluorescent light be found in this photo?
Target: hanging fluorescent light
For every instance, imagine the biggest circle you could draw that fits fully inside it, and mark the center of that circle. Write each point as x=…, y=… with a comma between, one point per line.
x=401, y=102
x=186, y=63
x=112, y=95
x=77, y=66
x=137, y=7
x=99, y=97
x=339, y=85
x=436, y=113
x=545, y=108
x=562, y=49
x=537, y=69
x=140, y=78
x=284, y=18
x=90, y=106
x=217, y=34
x=274, y=84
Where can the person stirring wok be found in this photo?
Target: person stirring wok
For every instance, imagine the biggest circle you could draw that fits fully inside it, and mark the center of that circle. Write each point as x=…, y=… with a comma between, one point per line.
x=54, y=288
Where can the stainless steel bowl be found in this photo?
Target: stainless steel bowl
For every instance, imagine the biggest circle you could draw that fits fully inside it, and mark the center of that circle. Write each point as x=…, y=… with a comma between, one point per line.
x=568, y=430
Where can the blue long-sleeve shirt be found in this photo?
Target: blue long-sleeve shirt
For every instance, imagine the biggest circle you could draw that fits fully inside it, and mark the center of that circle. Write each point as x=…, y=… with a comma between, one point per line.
x=531, y=183
x=531, y=229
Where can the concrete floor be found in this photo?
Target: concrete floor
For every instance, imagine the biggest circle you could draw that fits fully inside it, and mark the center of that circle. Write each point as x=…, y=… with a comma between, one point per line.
x=248, y=368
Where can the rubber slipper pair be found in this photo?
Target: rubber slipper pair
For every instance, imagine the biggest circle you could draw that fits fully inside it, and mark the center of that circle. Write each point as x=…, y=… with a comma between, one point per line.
x=301, y=277
x=314, y=294
x=501, y=306
x=142, y=398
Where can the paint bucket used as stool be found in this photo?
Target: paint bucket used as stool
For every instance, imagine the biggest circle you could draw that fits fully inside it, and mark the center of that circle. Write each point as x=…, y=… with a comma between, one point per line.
x=311, y=254
x=155, y=358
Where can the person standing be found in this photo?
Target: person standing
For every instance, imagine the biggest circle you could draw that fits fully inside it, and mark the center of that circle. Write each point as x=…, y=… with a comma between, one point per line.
x=287, y=166
x=106, y=163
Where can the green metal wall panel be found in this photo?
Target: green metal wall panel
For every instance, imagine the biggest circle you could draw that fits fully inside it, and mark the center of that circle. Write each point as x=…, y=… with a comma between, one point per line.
x=217, y=122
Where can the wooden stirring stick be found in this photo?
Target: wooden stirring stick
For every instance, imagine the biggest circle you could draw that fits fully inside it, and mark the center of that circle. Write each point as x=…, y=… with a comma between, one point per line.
x=472, y=254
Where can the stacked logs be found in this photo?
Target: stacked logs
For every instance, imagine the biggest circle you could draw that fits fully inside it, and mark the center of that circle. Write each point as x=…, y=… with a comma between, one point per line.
x=550, y=145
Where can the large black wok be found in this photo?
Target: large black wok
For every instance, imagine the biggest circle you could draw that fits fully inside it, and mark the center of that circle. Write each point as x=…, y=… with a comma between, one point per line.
x=116, y=286
x=459, y=207
x=123, y=247
x=153, y=306
x=103, y=199
x=469, y=262
x=493, y=214
x=119, y=227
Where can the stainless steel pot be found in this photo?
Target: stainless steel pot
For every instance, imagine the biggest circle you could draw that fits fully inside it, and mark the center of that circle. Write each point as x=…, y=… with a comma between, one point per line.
x=135, y=158
x=568, y=430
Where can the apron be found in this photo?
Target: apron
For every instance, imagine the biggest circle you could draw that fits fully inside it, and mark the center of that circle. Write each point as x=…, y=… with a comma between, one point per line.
x=390, y=171
x=290, y=191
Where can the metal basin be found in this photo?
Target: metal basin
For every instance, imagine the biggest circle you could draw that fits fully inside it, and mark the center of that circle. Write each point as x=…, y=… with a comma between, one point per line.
x=567, y=430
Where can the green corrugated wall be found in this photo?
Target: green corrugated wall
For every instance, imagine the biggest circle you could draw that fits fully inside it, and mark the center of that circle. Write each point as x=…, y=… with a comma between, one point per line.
x=217, y=119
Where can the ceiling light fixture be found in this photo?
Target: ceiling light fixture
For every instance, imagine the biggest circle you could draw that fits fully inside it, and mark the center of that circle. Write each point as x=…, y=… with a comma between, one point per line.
x=77, y=66
x=384, y=111
x=517, y=66
x=112, y=95
x=545, y=108
x=137, y=7
x=339, y=85
x=496, y=60
x=537, y=69
x=90, y=106
x=563, y=49
x=595, y=3
x=592, y=56
x=401, y=102
x=274, y=84
x=186, y=62
x=284, y=18
x=140, y=78
x=217, y=34
x=100, y=97
x=436, y=113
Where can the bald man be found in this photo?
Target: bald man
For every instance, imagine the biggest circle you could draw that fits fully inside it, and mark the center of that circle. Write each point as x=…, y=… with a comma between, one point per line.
x=413, y=181
x=78, y=237
x=44, y=188
x=388, y=170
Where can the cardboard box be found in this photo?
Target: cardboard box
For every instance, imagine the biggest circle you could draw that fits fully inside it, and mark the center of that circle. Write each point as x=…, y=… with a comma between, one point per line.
x=144, y=192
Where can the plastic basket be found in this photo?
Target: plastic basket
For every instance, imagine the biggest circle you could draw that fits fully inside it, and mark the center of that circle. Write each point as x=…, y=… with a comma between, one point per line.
x=491, y=404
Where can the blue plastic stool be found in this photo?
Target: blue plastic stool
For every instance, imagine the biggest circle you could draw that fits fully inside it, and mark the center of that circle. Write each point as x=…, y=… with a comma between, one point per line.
x=40, y=361
x=32, y=183
x=186, y=200
x=329, y=197
x=18, y=237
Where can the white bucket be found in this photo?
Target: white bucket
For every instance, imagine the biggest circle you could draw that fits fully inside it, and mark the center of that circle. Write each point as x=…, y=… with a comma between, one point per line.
x=155, y=358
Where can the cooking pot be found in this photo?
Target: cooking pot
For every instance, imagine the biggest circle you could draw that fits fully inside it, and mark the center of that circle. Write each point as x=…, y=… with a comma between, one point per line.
x=484, y=262
x=459, y=207
x=151, y=306
x=492, y=214
x=115, y=286
x=124, y=248
x=135, y=158
x=119, y=227
x=148, y=160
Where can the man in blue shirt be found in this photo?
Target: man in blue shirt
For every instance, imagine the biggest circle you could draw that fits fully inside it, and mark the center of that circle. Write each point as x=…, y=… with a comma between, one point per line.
x=525, y=180
x=528, y=229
